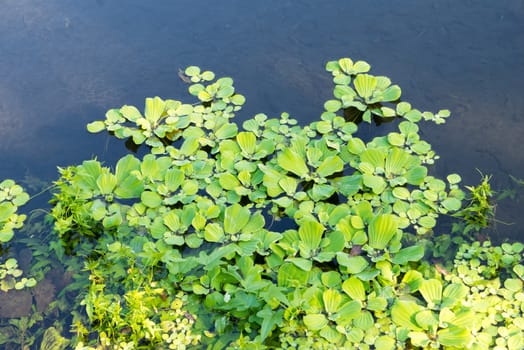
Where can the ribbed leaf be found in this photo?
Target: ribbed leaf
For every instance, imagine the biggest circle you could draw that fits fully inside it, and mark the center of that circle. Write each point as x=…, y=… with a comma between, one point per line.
x=106, y=182
x=131, y=113
x=426, y=319
x=396, y=161
x=154, y=109
x=454, y=336
x=431, y=290
x=310, y=233
x=125, y=166
x=315, y=322
x=354, y=288
x=413, y=253
x=381, y=229
x=213, y=233
x=151, y=199
x=453, y=294
x=330, y=165
x=235, y=218
x=293, y=162
x=228, y=181
x=403, y=314
x=172, y=221
x=353, y=264
x=289, y=275
x=332, y=300
x=365, y=85
x=374, y=156
x=247, y=142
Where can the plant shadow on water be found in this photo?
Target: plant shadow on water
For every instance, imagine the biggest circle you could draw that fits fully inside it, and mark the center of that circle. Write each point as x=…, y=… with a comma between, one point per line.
x=268, y=234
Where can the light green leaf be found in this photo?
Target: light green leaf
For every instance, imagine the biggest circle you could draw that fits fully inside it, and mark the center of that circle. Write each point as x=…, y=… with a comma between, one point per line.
x=403, y=314
x=151, y=199
x=354, y=288
x=247, y=142
x=375, y=182
x=315, y=322
x=353, y=264
x=381, y=229
x=213, y=233
x=332, y=300
x=310, y=233
x=392, y=93
x=330, y=165
x=235, y=218
x=431, y=291
x=405, y=255
x=154, y=109
x=96, y=126
x=332, y=105
x=365, y=85
x=106, y=183
x=454, y=336
x=291, y=161
x=451, y=204
x=228, y=181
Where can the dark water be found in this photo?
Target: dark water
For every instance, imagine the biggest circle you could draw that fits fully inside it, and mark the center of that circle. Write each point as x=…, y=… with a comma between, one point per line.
x=64, y=63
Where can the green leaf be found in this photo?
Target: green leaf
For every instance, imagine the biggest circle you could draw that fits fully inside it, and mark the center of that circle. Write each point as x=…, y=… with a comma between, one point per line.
x=290, y=275
x=213, y=233
x=381, y=229
x=403, y=314
x=451, y=204
x=454, y=336
x=303, y=264
x=365, y=85
x=235, y=218
x=154, y=109
x=330, y=165
x=270, y=319
x=431, y=291
x=131, y=113
x=416, y=175
x=310, y=233
x=356, y=145
x=96, y=126
x=192, y=71
x=353, y=264
x=354, y=288
x=405, y=255
x=375, y=182
x=106, y=183
x=247, y=142
x=346, y=65
x=315, y=322
x=228, y=181
x=332, y=300
x=291, y=161
x=151, y=199
x=392, y=93
x=332, y=105
x=226, y=131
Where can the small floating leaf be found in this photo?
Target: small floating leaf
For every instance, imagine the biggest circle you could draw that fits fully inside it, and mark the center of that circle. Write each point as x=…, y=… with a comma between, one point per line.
x=315, y=322
x=291, y=161
x=381, y=229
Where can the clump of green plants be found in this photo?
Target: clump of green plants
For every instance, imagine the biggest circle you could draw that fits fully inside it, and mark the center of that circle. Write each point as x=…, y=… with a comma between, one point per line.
x=12, y=196
x=273, y=234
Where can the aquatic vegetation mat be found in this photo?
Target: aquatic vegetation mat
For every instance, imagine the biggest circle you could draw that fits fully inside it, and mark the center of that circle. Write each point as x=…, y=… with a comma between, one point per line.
x=272, y=234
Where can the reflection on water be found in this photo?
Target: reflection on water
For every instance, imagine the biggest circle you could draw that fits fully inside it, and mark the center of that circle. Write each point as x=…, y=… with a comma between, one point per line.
x=62, y=64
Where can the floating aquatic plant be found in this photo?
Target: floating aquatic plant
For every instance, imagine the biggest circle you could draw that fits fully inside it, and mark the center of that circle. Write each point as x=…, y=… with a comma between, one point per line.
x=272, y=234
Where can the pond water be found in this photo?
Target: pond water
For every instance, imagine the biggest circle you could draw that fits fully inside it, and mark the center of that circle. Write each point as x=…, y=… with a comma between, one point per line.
x=64, y=63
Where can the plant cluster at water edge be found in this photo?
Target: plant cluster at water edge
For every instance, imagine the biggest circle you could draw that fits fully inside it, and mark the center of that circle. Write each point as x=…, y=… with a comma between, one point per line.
x=272, y=234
